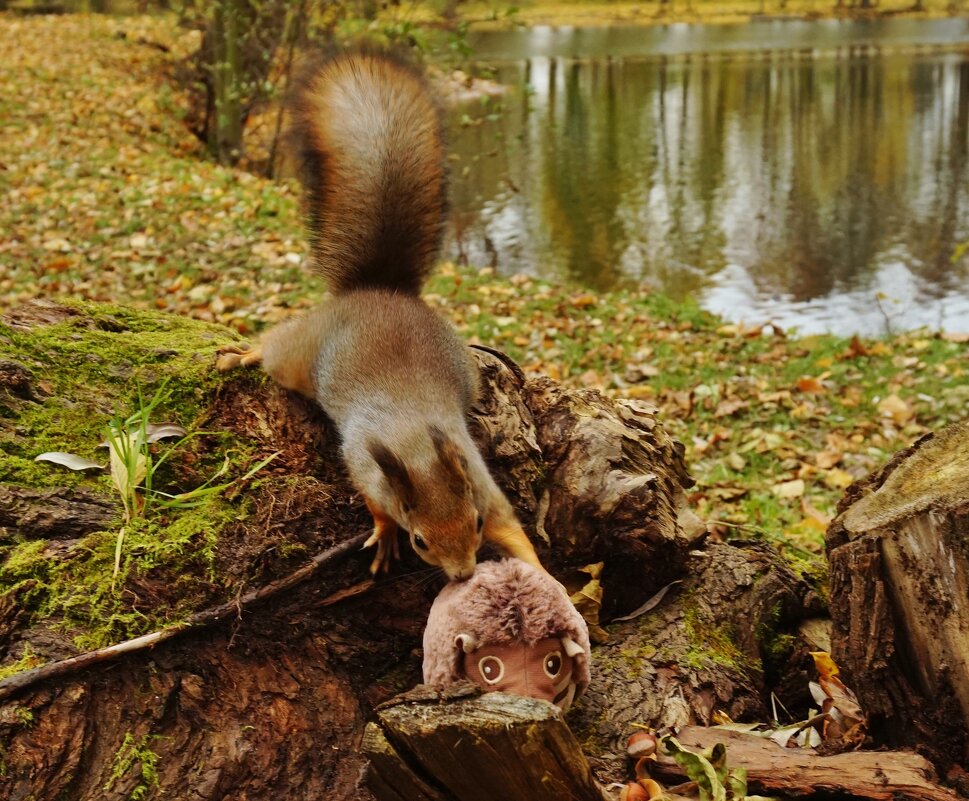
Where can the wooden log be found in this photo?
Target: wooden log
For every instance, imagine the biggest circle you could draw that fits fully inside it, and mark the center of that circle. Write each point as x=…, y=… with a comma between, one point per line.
x=900, y=595
x=878, y=775
x=705, y=647
x=476, y=748
x=272, y=703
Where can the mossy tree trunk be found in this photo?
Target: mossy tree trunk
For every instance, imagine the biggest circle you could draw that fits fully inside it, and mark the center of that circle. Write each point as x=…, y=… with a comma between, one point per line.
x=272, y=703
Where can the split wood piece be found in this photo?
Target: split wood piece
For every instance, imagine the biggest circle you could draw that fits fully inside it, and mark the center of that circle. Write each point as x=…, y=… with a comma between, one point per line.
x=877, y=775
x=479, y=748
x=207, y=617
x=899, y=567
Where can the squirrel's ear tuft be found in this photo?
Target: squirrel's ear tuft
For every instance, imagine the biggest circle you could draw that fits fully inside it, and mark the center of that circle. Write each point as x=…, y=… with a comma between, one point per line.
x=395, y=472
x=452, y=460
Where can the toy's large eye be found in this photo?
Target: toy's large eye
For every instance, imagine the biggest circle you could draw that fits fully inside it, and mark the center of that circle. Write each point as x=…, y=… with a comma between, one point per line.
x=420, y=542
x=552, y=664
x=492, y=669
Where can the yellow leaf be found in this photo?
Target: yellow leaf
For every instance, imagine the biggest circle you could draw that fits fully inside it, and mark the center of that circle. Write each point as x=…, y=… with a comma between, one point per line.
x=828, y=458
x=825, y=664
x=838, y=478
x=894, y=407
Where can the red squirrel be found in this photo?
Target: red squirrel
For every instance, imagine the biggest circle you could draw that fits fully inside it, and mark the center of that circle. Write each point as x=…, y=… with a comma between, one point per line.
x=386, y=368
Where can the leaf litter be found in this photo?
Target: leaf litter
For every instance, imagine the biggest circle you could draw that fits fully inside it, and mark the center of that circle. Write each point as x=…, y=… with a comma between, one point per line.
x=107, y=196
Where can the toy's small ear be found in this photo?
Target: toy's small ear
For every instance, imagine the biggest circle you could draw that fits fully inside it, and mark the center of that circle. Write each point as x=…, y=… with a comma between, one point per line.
x=572, y=648
x=466, y=643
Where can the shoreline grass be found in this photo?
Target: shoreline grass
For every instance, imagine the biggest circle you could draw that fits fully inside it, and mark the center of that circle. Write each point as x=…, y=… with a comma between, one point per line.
x=583, y=13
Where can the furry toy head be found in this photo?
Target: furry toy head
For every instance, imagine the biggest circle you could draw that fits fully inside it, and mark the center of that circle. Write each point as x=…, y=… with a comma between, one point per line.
x=509, y=627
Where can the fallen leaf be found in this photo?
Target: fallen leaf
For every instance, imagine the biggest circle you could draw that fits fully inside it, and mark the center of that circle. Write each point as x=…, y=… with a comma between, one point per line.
x=789, y=489
x=894, y=407
x=828, y=458
x=814, y=513
x=809, y=385
x=588, y=601
x=824, y=664
x=164, y=430
x=731, y=406
x=69, y=460
x=652, y=603
x=837, y=478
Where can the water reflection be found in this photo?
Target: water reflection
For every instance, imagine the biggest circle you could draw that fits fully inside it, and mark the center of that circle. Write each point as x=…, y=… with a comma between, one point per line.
x=769, y=186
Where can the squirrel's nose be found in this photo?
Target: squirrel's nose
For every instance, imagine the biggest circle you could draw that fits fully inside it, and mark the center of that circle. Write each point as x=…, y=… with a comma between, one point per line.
x=462, y=573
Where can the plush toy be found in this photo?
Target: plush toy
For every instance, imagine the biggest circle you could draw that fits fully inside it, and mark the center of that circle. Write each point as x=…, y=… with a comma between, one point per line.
x=509, y=627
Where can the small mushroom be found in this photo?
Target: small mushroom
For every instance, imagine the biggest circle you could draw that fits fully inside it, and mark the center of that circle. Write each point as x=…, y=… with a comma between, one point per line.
x=633, y=792
x=641, y=744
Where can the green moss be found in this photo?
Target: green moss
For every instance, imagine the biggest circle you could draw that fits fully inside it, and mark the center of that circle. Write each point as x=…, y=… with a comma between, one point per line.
x=90, y=370
x=710, y=644
x=775, y=645
x=136, y=751
x=81, y=594
x=28, y=659
x=108, y=360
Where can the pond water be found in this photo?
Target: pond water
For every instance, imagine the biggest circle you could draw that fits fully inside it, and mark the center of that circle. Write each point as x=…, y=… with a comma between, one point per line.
x=811, y=173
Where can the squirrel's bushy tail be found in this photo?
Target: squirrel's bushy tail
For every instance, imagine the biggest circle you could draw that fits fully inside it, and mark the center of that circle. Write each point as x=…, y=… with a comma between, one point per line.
x=369, y=139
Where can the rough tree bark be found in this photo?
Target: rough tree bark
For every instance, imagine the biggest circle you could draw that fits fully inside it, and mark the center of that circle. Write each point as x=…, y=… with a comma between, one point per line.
x=900, y=595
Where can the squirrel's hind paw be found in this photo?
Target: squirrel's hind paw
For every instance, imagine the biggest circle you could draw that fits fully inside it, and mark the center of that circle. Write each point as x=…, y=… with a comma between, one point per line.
x=234, y=355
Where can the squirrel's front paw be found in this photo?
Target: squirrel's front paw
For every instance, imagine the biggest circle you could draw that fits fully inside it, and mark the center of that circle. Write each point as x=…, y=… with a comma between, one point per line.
x=235, y=355
x=388, y=547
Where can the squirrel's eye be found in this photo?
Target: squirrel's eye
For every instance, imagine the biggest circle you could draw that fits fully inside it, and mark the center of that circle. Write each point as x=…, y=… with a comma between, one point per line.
x=420, y=542
x=492, y=669
x=552, y=664
x=480, y=523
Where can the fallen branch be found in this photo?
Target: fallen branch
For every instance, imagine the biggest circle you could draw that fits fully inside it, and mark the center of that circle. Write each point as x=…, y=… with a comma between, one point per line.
x=878, y=775
x=206, y=617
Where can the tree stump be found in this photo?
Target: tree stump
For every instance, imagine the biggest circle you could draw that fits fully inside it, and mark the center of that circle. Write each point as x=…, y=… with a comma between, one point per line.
x=477, y=748
x=899, y=556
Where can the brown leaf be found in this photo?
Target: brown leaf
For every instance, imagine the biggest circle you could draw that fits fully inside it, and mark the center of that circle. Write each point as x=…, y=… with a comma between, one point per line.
x=828, y=458
x=730, y=406
x=856, y=348
x=810, y=385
